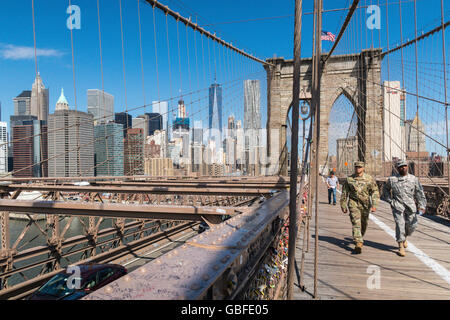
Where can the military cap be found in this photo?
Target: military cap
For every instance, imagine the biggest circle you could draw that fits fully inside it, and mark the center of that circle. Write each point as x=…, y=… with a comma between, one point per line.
x=359, y=164
x=401, y=163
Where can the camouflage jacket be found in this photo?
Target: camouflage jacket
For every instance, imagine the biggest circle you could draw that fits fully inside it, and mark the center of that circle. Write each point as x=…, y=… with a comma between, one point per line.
x=359, y=191
x=403, y=192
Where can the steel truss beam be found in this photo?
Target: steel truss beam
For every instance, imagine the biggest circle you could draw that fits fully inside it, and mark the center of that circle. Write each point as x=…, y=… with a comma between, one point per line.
x=147, y=190
x=117, y=210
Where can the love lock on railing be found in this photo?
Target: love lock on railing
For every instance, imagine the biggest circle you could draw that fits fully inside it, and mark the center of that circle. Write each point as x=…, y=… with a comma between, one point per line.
x=443, y=208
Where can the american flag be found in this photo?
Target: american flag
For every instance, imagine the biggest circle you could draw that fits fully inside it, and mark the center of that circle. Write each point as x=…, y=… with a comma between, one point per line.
x=328, y=36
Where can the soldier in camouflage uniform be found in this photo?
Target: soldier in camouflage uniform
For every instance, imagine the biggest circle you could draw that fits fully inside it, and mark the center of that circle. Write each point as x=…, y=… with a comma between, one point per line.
x=402, y=191
x=361, y=193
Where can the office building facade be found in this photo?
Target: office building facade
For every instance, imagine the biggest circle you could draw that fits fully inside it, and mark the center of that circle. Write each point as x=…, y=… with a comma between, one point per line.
x=134, y=152
x=109, y=151
x=100, y=105
x=162, y=108
x=68, y=130
x=154, y=121
x=39, y=100
x=3, y=147
x=22, y=103
x=347, y=154
x=414, y=135
x=393, y=139
x=215, y=113
x=125, y=119
x=140, y=123
x=29, y=147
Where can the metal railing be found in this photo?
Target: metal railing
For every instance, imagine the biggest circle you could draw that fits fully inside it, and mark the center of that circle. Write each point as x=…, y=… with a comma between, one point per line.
x=221, y=263
x=108, y=225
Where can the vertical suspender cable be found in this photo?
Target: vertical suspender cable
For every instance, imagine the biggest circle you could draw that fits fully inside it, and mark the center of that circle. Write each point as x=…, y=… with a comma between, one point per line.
x=37, y=93
x=143, y=84
x=179, y=59
x=294, y=148
x=444, y=61
x=141, y=55
x=403, y=121
x=215, y=62
x=156, y=64
x=311, y=177
x=209, y=57
x=103, y=88
x=187, y=164
x=389, y=79
x=365, y=6
x=417, y=89
x=76, y=108
x=170, y=84
x=316, y=99
x=196, y=72
x=189, y=65
x=127, y=155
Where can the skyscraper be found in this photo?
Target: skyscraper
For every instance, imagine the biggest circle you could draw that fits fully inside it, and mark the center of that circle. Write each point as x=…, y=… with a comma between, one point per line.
x=197, y=135
x=100, y=105
x=62, y=103
x=415, y=139
x=392, y=121
x=155, y=122
x=162, y=108
x=134, y=152
x=109, y=151
x=23, y=149
x=39, y=100
x=29, y=146
x=402, y=109
x=230, y=144
x=181, y=121
x=69, y=129
x=240, y=145
x=181, y=134
x=347, y=154
x=252, y=104
x=252, y=124
x=22, y=103
x=215, y=113
x=125, y=120
x=252, y=113
x=140, y=122
x=3, y=147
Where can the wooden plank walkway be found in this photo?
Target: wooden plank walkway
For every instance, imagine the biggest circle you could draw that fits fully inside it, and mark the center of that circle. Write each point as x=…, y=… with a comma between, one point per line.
x=422, y=274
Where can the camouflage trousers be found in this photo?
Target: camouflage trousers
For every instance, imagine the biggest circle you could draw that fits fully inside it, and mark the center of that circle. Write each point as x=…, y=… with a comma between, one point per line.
x=359, y=217
x=405, y=223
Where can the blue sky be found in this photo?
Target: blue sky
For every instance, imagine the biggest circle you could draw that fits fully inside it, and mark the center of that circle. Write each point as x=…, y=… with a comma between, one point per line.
x=263, y=38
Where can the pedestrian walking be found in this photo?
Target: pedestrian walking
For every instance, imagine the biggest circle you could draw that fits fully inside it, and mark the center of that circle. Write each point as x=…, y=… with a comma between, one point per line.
x=332, y=184
x=360, y=196
x=404, y=193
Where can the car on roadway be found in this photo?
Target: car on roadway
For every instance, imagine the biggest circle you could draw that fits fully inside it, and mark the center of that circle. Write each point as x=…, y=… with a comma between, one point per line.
x=89, y=278
x=203, y=226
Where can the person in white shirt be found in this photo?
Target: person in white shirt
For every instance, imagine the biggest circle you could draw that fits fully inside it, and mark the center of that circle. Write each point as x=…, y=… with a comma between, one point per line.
x=332, y=184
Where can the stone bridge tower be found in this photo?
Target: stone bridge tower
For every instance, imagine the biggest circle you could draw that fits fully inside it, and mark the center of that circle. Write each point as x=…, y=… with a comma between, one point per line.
x=357, y=76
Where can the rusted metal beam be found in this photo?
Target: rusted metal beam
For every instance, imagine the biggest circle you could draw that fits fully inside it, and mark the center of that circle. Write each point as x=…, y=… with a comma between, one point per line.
x=186, y=184
x=221, y=255
x=150, y=179
x=145, y=189
x=202, y=31
x=25, y=288
x=116, y=210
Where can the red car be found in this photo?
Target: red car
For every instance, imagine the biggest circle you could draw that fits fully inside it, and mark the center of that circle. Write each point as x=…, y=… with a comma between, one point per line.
x=92, y=277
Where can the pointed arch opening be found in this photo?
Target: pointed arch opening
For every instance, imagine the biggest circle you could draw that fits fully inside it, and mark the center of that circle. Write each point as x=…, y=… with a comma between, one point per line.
x=343, y=140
